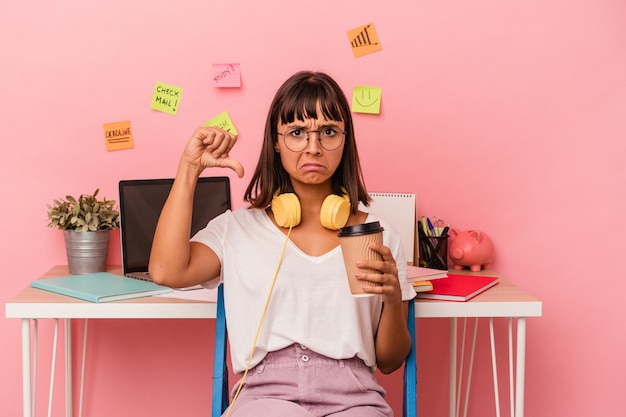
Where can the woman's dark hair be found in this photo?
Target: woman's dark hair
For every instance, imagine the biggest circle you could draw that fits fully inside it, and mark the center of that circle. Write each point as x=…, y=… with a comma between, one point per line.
x=298, y=98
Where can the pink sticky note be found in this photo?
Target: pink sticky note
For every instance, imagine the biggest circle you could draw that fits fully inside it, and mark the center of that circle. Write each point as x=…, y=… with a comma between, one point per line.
x=226, y=75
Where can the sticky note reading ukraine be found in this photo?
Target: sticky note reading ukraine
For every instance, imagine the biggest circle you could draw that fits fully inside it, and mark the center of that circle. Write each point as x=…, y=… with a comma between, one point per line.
x=366, y=99
x=223, y=122
x=364, y=40
x=166, y=98
x=118, y=135
x=226, y=75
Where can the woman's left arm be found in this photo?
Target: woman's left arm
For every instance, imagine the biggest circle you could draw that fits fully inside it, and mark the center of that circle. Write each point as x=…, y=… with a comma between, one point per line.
x=393, y=340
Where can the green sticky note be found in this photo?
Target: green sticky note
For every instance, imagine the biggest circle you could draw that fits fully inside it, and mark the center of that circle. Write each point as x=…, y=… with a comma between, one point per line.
x=166, y=98
x=223, y=122
x=366, y=100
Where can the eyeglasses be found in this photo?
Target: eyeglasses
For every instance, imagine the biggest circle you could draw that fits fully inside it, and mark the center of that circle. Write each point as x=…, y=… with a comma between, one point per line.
x=296, y=140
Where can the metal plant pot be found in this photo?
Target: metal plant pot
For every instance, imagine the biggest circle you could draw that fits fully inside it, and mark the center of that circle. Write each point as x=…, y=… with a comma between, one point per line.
x=87, y=252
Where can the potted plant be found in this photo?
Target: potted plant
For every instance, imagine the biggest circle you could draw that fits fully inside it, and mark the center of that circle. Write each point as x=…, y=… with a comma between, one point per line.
x=86, y=223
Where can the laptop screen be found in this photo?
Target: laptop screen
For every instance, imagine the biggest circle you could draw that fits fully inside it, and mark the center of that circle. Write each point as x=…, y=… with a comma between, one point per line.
x=141, y=202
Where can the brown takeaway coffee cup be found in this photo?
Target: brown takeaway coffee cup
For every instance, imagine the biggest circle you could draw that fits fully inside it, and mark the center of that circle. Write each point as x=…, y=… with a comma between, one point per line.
x=355, y=242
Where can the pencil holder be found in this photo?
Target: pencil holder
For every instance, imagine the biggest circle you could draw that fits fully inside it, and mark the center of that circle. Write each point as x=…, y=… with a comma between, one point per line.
x=433, y=251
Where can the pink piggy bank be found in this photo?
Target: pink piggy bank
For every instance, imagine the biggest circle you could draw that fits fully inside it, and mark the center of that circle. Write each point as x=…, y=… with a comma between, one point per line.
x=470, y=248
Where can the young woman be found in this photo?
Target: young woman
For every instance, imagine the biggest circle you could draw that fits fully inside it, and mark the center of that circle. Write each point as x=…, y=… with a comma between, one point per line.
x=317, y=346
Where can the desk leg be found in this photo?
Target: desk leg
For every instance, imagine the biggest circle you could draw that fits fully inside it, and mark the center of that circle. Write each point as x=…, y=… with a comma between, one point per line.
x=452, y=406
x=68, y=368
x=55, y=343
x=520, y=366
x=494, y=366
x=511, y=371
x=471, y=367
x=26, y=382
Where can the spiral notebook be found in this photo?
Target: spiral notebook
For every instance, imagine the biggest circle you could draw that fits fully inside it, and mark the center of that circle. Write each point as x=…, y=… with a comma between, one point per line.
x=399, y=210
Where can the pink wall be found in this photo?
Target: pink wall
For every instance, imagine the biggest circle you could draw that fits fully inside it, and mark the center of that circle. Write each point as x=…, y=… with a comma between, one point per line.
x=509, y=117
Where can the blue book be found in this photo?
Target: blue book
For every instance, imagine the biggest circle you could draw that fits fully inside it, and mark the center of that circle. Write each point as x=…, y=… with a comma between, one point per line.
x=100, y=287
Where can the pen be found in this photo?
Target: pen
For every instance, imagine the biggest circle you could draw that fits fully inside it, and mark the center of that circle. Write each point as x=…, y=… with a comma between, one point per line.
x=442, y=238
x=443, y=263
x=431, y=228
x=425, y=226
x=422, y=232
x=426, y=252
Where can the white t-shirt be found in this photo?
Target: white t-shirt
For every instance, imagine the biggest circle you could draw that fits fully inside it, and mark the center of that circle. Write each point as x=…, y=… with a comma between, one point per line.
x=311, y=302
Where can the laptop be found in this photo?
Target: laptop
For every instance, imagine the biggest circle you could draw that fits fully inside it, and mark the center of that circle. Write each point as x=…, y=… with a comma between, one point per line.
x=140, y=205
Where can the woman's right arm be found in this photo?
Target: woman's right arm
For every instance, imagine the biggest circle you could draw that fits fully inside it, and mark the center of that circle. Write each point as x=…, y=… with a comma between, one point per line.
x=175, y=261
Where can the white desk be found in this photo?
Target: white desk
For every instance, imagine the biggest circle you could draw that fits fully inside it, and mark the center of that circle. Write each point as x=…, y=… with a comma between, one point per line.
x=503, y=300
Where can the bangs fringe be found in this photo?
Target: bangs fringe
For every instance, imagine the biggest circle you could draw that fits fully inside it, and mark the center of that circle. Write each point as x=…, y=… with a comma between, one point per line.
x=304, y=104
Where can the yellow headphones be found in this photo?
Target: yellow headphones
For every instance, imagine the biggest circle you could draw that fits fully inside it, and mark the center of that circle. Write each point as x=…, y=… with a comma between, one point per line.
x=334, y=214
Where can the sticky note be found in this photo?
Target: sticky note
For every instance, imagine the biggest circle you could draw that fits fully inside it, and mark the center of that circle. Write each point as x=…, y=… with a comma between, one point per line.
x=223, y=121
x=366, y=99
x=118, y=135
x=226, y=75
x=166, y=98
x=364, y=40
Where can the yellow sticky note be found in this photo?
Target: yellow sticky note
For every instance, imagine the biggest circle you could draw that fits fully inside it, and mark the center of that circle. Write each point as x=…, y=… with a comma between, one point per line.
x=223, y=122
x=118, y=135
x=366, y=99
x=364, y=40
x=166, y=98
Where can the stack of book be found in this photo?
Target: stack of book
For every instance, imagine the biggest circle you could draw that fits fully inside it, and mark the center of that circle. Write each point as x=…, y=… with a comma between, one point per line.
x=437, y=284
x=421, y=278
x=458, y=287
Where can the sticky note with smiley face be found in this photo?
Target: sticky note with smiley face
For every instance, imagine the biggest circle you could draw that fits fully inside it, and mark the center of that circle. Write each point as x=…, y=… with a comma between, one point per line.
x=366, y=99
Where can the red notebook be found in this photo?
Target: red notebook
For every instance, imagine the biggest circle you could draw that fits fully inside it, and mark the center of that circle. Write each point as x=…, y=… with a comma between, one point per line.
x=458, y=287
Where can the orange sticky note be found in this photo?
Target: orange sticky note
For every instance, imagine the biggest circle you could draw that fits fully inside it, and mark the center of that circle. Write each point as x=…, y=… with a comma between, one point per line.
x=118, y=135
x=364, y=40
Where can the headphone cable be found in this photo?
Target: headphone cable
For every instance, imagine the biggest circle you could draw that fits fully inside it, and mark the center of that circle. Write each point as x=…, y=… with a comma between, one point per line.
x=258, y=330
